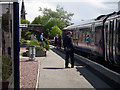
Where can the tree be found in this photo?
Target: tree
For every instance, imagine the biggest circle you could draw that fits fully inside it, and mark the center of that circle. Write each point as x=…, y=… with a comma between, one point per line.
x=60, y=14
x=37, y=20
x=53, y=22
x=40, y=20
x=25, y=22
x=55, y=30
x=50, y=18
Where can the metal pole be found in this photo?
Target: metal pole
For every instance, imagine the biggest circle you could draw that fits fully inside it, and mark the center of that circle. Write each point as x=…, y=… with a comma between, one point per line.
x=16, y=46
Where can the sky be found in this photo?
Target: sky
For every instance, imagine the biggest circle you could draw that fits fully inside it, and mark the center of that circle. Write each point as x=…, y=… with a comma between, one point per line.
x=82, y=9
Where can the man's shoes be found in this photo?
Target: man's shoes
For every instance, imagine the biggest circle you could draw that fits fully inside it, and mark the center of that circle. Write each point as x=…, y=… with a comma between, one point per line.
x=72, y=66
x=67, y=67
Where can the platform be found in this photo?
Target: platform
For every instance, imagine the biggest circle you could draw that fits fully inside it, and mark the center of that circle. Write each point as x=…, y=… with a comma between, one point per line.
x=53, y=74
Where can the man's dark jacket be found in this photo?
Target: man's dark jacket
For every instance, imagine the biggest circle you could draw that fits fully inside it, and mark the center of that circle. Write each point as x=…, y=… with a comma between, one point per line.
x=67, y=42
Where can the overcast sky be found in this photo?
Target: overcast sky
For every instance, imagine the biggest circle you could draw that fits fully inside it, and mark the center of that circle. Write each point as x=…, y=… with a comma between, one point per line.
x=82, y=9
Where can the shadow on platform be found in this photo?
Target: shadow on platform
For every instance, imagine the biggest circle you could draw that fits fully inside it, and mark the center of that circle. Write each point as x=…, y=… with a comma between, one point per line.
x=87, y=72
x=61, y=53
x=53, y=68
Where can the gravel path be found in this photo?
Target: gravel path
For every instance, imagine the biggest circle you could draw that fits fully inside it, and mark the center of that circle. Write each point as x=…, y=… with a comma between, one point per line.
x=28, y=71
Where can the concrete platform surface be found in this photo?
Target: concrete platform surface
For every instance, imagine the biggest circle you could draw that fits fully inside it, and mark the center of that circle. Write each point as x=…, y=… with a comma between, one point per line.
x=53, y=74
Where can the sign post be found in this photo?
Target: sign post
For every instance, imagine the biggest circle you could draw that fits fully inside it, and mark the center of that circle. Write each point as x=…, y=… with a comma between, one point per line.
x=23, y=26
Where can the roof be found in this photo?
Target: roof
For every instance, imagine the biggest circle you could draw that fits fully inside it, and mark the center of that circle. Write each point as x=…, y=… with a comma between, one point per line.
x=9, y=0
x=100, y=18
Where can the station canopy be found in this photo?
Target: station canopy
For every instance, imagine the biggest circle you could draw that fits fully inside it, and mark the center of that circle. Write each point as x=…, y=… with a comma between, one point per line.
x=9, y=0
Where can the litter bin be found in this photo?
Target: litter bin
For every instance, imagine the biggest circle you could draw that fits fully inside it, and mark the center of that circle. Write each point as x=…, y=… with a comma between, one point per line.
x=32, y=52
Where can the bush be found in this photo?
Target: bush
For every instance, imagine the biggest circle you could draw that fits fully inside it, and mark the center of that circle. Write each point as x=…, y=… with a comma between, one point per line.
x=32, y=42
x=6, y=67
x=42, y=44
x=38, y=48
x=22, y=41
x=47, y=45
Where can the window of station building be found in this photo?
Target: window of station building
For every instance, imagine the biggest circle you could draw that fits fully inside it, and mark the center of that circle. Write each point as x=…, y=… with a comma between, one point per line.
x=6, y=40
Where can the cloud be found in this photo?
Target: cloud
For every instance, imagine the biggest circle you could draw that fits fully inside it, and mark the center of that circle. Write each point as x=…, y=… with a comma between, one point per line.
x=73, y=0
x=32, y=8
x=82, y=9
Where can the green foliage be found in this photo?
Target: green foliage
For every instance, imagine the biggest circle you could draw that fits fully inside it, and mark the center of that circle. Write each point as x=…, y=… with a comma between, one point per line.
x=55, y=30
x=5, y=23
x=52, y=25
x=25, y=22
x=42, y=44
x=26, y=34
x=55, y=22
x=6, y=67
x=60, y=14
x=47, y=45
x=37, y=20
x=40, y=20
x=32, y=42
x=38, y=48
x=50, y=18
x=23, y=41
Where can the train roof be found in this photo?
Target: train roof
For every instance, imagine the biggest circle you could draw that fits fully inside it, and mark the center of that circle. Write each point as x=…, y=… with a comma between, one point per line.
x=95, y=20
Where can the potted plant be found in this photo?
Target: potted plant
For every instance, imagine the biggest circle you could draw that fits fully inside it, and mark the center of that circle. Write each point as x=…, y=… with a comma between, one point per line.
x=6, y=70
x=23, y=42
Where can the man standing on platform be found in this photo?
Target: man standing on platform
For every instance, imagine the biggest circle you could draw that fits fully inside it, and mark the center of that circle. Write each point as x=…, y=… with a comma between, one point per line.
x=68, y=45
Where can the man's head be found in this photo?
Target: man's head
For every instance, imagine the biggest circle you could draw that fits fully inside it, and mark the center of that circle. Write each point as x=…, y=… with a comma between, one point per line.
x=56, y=34
x=69, y=33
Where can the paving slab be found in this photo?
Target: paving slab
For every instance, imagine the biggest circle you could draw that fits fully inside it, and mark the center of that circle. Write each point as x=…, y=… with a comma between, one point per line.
x=53, y=74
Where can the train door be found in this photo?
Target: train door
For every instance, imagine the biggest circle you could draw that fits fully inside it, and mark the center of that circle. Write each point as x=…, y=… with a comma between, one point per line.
x=117, y=49
x=111, y=41
x=115, y=41
x=106, y=40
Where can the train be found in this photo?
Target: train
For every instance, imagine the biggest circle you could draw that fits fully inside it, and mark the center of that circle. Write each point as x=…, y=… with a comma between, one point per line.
x=104, y=37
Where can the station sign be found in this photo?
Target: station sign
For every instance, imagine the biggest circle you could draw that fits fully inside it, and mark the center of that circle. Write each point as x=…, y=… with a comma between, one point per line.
x=23, y=26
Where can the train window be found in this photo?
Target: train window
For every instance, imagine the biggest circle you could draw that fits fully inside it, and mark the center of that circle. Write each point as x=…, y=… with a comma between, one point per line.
x=88, y=32
x=93, y=37
x=77, y=34
x=80, y=35
x=98, y=32
x=73, y=36
x=83, y=36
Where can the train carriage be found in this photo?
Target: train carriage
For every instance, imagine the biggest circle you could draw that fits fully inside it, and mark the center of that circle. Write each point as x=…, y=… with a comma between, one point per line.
x=104, y=37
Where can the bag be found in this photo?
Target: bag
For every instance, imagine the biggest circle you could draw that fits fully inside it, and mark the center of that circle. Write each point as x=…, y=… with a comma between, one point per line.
x=67, y=49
